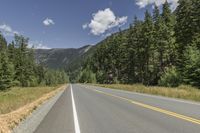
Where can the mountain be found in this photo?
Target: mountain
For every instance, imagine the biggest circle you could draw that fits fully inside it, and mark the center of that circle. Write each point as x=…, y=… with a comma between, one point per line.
x=65, y=58
x=69, y=59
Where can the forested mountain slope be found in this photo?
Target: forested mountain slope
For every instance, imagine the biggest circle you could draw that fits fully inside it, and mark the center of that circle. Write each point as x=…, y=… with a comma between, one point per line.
x=163, y=49
x=61, y=58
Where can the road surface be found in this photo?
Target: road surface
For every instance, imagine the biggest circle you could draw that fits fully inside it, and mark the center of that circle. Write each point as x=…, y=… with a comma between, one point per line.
x=88, y=109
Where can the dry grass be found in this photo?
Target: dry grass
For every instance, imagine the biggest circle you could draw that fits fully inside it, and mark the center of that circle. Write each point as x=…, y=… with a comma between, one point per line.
x=17, y=97
x=30, y=100
x=182, y=92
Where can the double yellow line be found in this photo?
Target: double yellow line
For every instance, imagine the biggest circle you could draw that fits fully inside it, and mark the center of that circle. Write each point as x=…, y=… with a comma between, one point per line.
x=170, y=113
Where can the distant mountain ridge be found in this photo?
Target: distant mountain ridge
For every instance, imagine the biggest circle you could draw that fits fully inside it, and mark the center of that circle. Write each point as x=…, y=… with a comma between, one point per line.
x=69, y=59
x=62, y=58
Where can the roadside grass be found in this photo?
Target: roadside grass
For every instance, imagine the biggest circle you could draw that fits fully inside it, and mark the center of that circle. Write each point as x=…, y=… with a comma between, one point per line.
x=16, y=97
x=182, y=92
x=18, y=103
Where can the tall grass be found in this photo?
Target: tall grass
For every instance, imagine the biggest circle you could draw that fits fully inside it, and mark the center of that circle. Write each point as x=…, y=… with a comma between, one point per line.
x=17, y=97
x=21, y=102
x=182, y=92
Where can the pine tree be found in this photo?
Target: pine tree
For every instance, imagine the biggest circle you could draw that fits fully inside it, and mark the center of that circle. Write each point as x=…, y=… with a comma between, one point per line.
x=156, y=13
x=40, y=72
x=12, y=53
x=169, y=38
x=191, y=70
x=3, y=43
x=183, y=28
x=157, y=55
x=120, y=56
x=135, y=52
x=147, y=42
x=6, y=68
x=164, y=41
x=24, y=63
x=6, y=72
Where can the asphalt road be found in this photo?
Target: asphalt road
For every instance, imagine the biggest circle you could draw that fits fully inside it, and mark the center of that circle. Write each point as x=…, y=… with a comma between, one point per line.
x=88, y=109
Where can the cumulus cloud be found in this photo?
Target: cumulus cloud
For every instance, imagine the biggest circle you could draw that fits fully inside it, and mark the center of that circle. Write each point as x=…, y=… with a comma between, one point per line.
x=104, y=20
x=7, y=30
x=48, y=22
x=144, y=3
x=37, y=45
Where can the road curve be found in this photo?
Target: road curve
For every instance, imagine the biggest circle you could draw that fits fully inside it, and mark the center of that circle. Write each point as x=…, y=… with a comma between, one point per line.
x=100, y=110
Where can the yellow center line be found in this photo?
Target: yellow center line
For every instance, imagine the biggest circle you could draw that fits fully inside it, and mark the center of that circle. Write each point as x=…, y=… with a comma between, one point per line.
x=170, y=113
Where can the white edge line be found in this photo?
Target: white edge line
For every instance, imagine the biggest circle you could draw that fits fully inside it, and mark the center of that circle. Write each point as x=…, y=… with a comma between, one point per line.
x=76, y=123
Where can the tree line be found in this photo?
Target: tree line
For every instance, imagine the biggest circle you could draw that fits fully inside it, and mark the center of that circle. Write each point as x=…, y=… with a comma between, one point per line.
x=18, y=66
x=163, y=49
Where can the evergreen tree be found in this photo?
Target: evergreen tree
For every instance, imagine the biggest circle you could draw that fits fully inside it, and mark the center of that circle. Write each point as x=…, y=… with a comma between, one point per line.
x=147, y=42
x=25, y=65
x=135, y=52
x=191, y=70
x=6, y=72
x=3, y=43
x=183, y=28
x=6, y=67
x=21, y=57
x=12, y=53
x=169, y=36
x=157, y=55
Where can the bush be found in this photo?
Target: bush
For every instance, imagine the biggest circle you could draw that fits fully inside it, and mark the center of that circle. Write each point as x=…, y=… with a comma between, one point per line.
x=87, y=76
x=33, y=82
x=170, y=78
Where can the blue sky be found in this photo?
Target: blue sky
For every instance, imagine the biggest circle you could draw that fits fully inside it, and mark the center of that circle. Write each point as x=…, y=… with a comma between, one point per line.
x=68, y=23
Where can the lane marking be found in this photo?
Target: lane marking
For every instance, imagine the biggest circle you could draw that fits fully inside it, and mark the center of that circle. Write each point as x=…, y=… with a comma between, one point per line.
x=148, y=95
x=170, y=113
x=159, y=97
x=154, y=96
x=76, y=123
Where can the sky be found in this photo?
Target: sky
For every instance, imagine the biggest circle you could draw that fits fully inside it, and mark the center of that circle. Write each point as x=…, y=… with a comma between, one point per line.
x=69, y=23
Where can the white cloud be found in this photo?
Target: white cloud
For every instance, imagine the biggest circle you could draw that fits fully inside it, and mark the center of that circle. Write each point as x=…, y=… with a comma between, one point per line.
x=144, y=3
x=37, y=45
x=104, y=20
x=7, y=30
x=48, y=22
x=84, y=26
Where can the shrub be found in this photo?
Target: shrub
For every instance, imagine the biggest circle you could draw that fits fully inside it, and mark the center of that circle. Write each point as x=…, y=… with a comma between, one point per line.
x=87, y=76
x=170, y=78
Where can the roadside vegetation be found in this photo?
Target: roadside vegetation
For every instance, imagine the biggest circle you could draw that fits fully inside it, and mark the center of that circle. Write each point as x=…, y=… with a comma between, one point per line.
x=182, y=92
x=18, y=66
x=161, y=50
x=24, y=83
x=17, y=97
x=18, y=103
